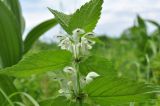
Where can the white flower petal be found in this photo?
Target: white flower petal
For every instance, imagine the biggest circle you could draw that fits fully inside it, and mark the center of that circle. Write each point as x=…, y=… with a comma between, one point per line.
x=78, y=31
x=68, y=69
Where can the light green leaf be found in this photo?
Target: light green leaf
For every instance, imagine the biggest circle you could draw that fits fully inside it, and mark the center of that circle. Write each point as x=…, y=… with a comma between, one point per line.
x=87, y=16
x=110, y=90
x=97, y=64
x=39, y=63
x=36, y=32
x=62, y=19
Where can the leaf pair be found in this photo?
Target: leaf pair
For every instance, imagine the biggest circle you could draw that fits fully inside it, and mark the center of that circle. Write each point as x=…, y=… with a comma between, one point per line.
x=85, y=18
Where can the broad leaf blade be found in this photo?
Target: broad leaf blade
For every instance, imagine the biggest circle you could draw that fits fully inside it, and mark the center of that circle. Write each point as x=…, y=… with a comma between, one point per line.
x=87, y=16
x=10, y=47
x=36, y=32
x=62, y=19
x=15, y=8
x=97, y=64
x=39, y=63
x=110, y=90
x=10, y=38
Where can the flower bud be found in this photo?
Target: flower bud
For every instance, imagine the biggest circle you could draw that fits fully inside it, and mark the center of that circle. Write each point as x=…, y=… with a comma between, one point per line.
x=90, y=76
x=69, y=70
x=78, y=31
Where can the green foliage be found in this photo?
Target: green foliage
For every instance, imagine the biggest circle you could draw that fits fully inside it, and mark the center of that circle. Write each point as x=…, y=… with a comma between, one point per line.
x=39, y=63
x=110, y=90
x=12, y=40
x=10, y=48
x=97, y=64
x=62, y=19
x=86, y=17
x=59, y=101
x=36, y=32
x=15, y=8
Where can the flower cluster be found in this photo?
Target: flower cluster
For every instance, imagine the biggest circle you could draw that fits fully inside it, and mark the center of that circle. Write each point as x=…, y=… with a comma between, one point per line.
x=78, y=43
x=68, y=86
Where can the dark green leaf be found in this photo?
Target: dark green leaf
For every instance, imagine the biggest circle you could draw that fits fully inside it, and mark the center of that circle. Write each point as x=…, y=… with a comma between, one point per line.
x=15, y=8
x=10, y=37
x=39, y=63
x=62, y=19
x=36, y=32
x=87, y=16
x=110, y=90
x=97, y=64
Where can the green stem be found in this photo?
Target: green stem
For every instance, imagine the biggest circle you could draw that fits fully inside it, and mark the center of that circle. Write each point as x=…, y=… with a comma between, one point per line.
x=77, y=79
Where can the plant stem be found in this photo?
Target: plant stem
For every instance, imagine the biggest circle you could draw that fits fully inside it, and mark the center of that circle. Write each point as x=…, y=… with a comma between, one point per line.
x=77, y=79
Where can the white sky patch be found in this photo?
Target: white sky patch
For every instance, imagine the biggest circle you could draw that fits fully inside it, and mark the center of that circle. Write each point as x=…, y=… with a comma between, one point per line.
x=117, y=15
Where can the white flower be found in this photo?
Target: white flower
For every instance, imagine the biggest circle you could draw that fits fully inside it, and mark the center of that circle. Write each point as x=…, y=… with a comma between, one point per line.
x=76, y=35
x=86, y=44
x=90, y=76
x=65, y=43
x=78, y=31
x=61, y=91
x=69, y=70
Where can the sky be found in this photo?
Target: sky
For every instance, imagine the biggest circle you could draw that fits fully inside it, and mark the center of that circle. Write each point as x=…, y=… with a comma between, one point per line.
x=117, y=15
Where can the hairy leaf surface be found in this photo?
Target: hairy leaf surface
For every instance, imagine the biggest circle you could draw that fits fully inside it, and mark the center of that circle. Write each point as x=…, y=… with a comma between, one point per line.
x=110, y=90
x=87, y=16
x=39, y=63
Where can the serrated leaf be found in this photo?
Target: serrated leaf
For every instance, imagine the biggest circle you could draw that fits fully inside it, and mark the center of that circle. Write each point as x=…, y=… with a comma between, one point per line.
x=87, y=16
x=39, y=63
x=36, y=32
x=110, y=90
x=62, y=19
x=97, y=64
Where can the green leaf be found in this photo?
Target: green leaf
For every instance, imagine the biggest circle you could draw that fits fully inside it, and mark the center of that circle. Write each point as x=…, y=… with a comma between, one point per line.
x=36, y=32
x=6, y=84
x=62, y=19
x=10, y=36
x=141, y=22
x=10, y=47
x=87, y=16
x=15, y=8
x=110, y=90
x=39, y=63
x=97, y=64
